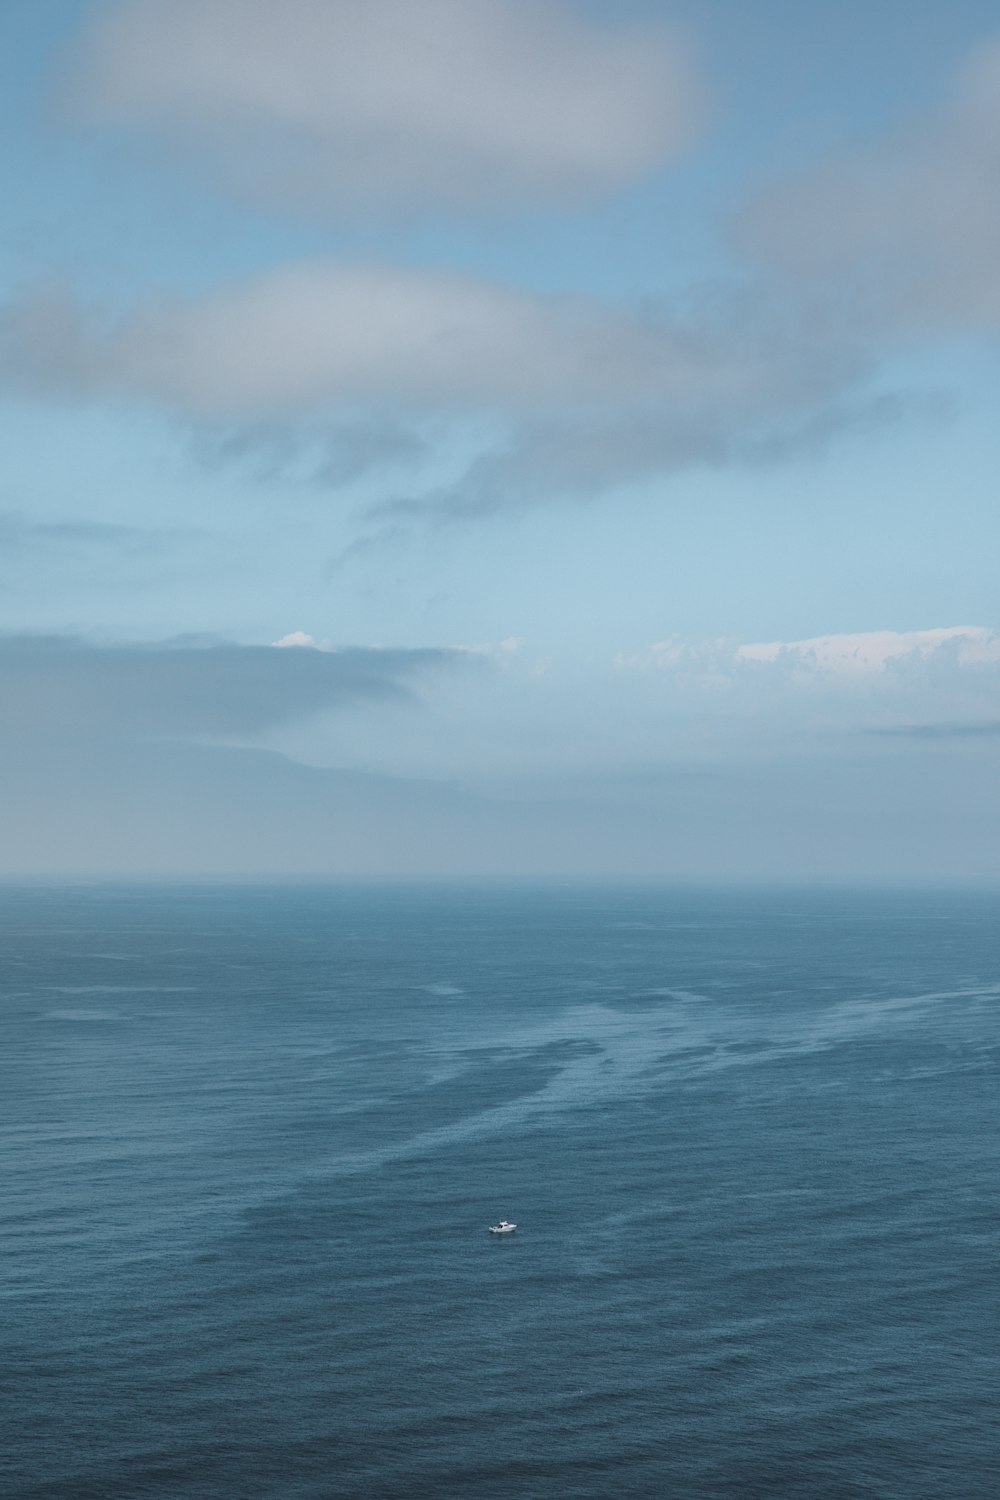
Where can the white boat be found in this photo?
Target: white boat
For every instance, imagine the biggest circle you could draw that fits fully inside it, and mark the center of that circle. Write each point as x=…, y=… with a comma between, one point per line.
x=504, y=1227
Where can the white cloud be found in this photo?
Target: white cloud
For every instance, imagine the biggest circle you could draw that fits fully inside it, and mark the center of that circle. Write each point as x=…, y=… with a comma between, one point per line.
x=860, y=655
x=299, y=638
x=335, y=105
x=874, y=650
x=501, y=653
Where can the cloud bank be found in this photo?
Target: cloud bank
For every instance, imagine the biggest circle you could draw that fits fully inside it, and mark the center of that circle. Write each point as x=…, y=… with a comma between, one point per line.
x=57, y=685
x=104, y=766
x=191, y=810
x=389, y=106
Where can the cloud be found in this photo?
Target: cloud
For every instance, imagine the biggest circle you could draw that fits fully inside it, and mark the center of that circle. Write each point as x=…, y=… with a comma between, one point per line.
x=331, y=452
x=321, y=335
x=450, y=396
x=104, y=766
x=876, y=650
x=567, y=458
x=345, y=106
x=53, y=685
x=20, y=533
x=299, y=638
x=906, y=227
x=550, y=396
x=859, y=656
x=826, y=685
x=445, y=396
x=986, y=729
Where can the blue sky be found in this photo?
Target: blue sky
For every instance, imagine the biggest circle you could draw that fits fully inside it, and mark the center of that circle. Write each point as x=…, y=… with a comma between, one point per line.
x=598, y=401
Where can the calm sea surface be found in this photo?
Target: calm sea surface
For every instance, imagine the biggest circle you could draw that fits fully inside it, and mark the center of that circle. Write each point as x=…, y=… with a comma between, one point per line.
x=252, y=1140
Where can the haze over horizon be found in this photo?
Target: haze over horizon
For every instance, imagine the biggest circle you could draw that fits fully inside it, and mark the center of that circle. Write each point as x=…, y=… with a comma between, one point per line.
x=470, y=437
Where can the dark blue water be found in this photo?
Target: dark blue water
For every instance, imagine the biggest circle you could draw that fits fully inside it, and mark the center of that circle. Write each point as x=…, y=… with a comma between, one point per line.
x=252, y=1140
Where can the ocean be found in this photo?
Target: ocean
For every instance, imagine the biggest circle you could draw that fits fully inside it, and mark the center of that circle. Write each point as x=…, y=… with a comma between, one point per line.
x=253, y=1140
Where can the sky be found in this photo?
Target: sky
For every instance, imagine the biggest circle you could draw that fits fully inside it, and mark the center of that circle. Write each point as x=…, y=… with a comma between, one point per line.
x=500, y=438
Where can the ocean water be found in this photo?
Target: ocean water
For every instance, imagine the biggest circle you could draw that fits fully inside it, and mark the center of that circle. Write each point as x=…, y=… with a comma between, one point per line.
x=252, y=1141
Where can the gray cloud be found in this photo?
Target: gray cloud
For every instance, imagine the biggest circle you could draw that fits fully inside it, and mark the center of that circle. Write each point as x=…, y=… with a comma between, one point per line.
x=986, y=729
x=559, y=461
x=23, y=533
x=337, y=371
x=59, y=685
x=331, y=454
x=391, y=105
x=907, y=227
x=48, y=348
x=321, y=335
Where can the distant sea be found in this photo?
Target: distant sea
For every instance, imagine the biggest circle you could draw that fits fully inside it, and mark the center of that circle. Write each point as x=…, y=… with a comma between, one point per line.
x=253, y=1138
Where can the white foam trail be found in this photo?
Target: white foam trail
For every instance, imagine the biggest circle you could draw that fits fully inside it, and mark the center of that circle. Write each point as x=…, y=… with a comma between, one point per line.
x=627, y=1051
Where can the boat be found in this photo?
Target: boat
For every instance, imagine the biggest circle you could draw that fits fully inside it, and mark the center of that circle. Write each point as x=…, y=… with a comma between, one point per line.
x=504, y=1227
